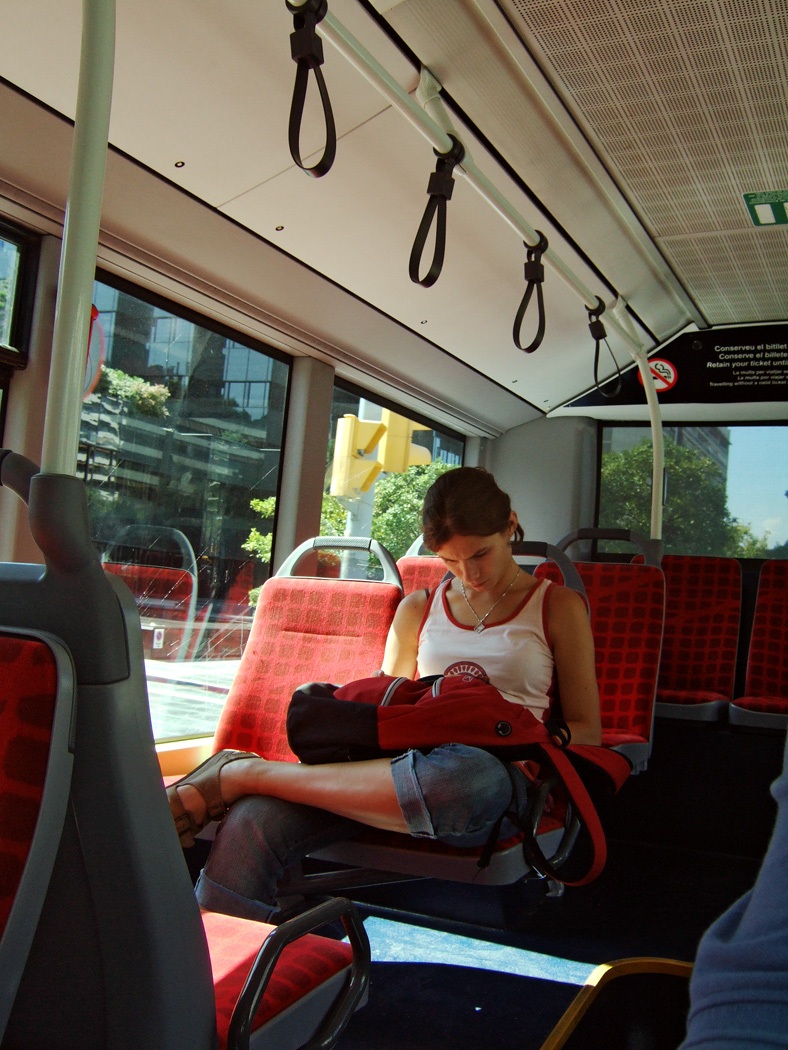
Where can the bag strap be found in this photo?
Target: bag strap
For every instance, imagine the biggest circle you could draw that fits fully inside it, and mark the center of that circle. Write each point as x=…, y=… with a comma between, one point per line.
x=584, y=810
x=583, y=817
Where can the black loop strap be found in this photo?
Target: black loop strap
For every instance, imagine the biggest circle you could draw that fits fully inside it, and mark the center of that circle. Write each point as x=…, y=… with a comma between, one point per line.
x=440, y=188
x=534, y=276
x=597, y=330
x=307, y=50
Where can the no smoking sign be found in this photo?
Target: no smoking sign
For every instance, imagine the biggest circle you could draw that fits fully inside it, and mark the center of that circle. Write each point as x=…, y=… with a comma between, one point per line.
x=664, y=374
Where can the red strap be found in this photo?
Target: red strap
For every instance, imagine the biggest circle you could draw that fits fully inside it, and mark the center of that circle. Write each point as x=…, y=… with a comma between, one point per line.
x=586, y=813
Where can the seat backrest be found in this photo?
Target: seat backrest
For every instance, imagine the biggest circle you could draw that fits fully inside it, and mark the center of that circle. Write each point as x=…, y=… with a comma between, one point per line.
x=420, y=571
x=119, y=957
x=650, y=550
x=36, y=711
x=767, y=665
x=305, y=629
x=627, y=607
x=702, y=615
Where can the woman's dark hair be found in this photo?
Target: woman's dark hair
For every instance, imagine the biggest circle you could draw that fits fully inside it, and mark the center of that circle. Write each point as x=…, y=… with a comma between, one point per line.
x=465, y=501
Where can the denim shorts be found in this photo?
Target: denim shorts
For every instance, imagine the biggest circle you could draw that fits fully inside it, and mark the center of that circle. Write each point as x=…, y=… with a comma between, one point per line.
x=454, y=793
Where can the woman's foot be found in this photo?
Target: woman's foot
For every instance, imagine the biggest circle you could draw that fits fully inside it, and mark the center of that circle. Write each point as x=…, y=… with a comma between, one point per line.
x=197, y=799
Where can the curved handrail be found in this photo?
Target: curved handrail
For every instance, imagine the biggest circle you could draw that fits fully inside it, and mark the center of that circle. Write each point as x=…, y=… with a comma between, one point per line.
x=417, y=548
x=126, y=538
x=16, y=472
x=650, y=549
x=568, y=569
x=356, y=543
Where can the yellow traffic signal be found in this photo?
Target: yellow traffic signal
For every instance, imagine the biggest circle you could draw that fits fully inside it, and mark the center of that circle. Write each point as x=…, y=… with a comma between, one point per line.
x=396, y=451
x=351, y=474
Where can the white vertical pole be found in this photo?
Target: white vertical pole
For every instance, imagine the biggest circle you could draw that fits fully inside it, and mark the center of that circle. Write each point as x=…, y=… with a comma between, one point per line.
x=655, y=418
x=80, y=238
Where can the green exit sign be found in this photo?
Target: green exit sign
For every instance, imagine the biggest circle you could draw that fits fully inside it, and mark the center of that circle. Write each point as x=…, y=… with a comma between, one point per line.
x=769, y=208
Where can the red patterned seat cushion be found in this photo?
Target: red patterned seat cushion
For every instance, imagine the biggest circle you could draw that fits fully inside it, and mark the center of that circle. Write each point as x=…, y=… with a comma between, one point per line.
x=627, y=612
x=305, y=629
x=767, y=666
x=27, y=703
x=304, y=965
x=702, y=614
x=420, y=571
x=689, y=696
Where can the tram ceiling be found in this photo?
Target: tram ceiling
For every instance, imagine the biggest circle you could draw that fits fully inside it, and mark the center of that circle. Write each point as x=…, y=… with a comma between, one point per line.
x=627, y=133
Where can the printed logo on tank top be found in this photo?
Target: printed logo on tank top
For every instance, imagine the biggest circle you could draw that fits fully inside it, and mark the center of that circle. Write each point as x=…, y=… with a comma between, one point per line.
x=468, y=669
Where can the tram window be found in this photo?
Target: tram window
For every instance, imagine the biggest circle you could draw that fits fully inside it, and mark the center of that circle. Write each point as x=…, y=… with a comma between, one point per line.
x=725, y=491
x=181, y=429
x=18, y=256
x=389, y=509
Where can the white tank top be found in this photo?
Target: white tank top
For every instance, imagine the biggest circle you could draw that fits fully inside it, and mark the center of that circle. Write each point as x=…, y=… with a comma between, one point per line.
x=514, y=655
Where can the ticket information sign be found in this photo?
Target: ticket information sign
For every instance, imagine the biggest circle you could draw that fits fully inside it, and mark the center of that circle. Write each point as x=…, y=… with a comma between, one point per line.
x=723, y=365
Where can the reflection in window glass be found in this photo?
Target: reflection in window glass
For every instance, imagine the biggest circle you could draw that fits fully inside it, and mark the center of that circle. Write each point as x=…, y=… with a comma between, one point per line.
x=725, y=490
x=9, y=273
x=181, y=431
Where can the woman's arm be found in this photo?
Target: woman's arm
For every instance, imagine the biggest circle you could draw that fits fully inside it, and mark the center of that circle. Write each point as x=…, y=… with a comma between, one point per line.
x=402, y=644
x=573, y=651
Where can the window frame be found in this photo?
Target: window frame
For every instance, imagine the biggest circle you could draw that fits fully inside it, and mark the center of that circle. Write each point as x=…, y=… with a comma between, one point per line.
x=15, y=355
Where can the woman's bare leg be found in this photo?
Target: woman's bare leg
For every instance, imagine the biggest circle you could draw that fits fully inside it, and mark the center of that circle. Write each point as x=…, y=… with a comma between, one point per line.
x=363, y=791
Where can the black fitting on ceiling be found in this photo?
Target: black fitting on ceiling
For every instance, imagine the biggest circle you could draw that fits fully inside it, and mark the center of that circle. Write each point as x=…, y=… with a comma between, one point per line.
x=533, y=270
x=440, y=189
x=306, y=49
x=599, y=333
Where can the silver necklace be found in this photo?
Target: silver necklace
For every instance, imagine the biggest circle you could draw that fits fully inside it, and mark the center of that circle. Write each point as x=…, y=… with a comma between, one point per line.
x=480, y=620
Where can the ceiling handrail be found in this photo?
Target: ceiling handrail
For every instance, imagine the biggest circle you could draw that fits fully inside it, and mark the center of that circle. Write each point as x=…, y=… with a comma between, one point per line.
x=306, y=49
x=359, y=57
x=597, y=329
x=429, y=117
x=440, y=189
x=533, y=270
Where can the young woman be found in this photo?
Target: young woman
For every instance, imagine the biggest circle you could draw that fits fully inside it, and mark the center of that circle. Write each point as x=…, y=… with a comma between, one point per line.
x=493, y=619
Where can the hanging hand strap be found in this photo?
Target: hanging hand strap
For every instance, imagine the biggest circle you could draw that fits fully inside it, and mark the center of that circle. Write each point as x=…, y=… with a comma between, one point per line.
x=597, y=330
x=307, y=50
x=440, y=188
x=534, y=276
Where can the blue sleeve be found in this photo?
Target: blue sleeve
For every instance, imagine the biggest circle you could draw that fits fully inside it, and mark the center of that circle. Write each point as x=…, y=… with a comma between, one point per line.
x=739, y=987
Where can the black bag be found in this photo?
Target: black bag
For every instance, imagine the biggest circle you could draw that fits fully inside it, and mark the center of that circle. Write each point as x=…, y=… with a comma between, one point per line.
x=385, y=716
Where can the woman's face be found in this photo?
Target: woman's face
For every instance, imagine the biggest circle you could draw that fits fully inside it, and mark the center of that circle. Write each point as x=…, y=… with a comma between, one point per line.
x=480, y=562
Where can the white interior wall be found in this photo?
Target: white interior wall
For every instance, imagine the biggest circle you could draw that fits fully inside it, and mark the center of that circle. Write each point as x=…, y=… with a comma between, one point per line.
x=548, y=468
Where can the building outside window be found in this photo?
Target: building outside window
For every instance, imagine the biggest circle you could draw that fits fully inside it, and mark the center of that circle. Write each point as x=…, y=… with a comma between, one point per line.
x=182, y=427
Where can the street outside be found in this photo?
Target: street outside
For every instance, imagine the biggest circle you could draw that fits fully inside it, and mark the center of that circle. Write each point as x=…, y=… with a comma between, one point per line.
x=187, y=696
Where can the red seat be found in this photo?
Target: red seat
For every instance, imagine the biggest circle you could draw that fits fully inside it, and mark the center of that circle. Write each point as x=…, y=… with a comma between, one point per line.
x=305, y=629
x=765, y=700
x=118, y=954
x=420, y=571
x=627, y=604
x=702, y=614
x=35, y=773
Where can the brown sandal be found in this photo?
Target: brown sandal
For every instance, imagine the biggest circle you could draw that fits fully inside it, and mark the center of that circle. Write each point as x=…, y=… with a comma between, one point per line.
x=205, y=778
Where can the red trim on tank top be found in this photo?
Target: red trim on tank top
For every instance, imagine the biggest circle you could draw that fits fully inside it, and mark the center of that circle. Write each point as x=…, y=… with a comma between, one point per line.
x=495, y=623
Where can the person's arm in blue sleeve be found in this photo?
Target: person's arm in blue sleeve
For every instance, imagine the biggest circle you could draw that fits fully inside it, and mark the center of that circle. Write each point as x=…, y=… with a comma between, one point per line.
x=739, y=986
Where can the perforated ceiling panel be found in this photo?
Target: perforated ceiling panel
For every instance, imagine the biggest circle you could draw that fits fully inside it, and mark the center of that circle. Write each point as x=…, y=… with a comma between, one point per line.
x=687, y=102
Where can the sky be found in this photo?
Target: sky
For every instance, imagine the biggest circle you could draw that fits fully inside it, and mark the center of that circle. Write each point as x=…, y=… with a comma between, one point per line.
x=758, y=480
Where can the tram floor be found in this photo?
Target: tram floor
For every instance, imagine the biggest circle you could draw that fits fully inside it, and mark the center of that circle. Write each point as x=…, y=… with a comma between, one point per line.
x=649, y=901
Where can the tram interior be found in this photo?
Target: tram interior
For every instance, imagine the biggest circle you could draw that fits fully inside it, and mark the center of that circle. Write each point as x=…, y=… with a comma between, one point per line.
x=647, y=144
